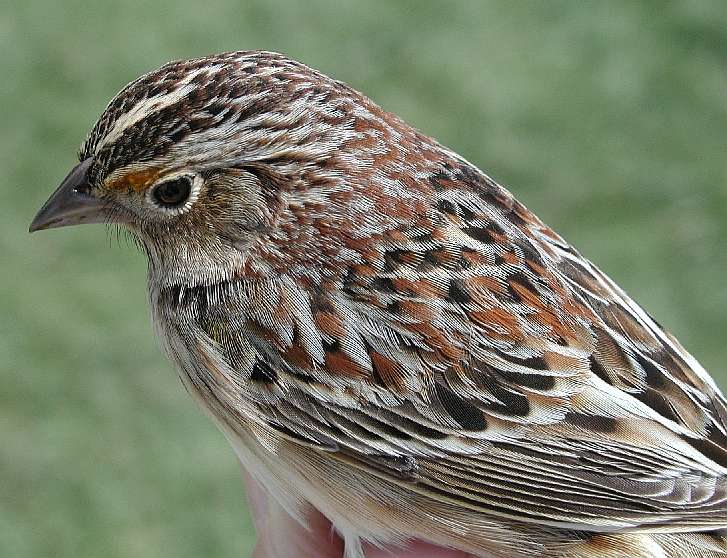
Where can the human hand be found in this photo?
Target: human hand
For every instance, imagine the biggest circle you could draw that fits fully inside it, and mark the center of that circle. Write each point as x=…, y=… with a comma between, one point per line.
x=281, y=536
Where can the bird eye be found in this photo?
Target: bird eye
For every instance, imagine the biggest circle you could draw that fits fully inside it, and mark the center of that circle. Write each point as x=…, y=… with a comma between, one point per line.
x=172, y=193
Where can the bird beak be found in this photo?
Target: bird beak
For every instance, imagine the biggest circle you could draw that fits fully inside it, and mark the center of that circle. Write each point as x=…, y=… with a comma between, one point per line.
x=71, y=203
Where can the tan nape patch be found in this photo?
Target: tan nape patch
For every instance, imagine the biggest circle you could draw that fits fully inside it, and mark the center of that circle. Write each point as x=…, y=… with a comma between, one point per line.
x=137, y=181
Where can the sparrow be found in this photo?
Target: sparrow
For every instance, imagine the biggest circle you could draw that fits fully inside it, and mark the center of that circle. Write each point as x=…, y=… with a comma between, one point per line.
x=385, y=333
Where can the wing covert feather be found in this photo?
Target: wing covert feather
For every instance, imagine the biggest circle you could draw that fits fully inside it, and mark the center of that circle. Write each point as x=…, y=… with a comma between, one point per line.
x=474, y=355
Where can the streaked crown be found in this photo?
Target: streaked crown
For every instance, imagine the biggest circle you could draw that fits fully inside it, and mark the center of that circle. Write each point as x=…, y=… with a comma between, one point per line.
x=216, y=111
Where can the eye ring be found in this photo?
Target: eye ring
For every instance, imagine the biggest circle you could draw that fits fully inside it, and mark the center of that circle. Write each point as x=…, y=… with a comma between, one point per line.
x=172, y=194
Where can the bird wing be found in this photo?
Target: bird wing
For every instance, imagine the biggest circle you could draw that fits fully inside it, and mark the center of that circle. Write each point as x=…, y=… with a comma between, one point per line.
x=474, y=356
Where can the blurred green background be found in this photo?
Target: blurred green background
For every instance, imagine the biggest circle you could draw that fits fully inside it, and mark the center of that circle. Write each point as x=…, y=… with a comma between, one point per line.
x=608, y=119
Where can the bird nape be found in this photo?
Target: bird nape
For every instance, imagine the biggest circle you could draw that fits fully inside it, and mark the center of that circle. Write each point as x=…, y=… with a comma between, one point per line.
x=384, y=333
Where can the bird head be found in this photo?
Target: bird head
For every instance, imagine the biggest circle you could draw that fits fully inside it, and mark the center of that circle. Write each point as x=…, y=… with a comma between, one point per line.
x=210, y=162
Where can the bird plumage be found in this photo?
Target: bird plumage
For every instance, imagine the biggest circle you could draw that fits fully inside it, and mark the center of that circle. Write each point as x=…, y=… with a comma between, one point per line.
x=383, y=331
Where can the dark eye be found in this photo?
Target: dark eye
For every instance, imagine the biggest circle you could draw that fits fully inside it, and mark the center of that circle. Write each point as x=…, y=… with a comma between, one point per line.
x=172, y=193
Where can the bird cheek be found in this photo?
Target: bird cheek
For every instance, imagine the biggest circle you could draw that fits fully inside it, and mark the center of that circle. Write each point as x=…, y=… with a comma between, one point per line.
x=254, y=222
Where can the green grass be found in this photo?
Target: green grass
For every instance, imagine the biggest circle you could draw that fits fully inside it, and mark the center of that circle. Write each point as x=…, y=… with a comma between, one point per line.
x=608, y=119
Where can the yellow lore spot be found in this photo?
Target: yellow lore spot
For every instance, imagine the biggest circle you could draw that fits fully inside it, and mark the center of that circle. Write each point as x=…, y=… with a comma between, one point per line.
x=137, y=181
